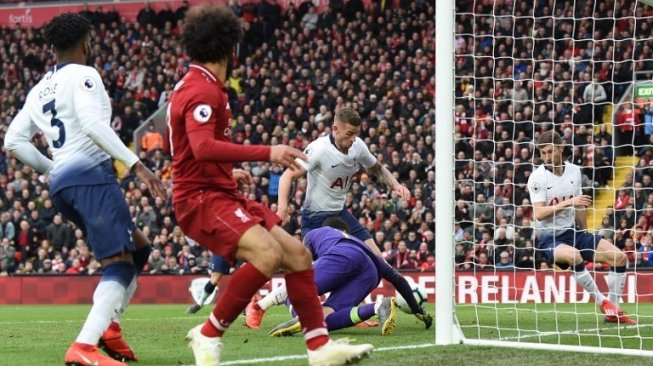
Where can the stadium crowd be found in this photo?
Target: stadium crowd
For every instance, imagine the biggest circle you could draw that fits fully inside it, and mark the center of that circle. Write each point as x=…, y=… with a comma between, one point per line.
x=561, y=67
x=294, y=69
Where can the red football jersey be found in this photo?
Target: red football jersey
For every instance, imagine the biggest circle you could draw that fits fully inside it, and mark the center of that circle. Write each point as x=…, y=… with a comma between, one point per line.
x=199, y=106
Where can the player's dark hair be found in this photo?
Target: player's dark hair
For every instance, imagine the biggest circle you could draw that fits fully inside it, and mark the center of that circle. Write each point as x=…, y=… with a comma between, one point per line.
x=66, y=31
x=548, y=138
x=210, y=33
x=348, y=116
x=336, y=223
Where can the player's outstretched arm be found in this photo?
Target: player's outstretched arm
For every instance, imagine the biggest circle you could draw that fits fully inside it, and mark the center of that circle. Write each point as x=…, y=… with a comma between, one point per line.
x=543, y=212
x=17, y=140
x=390, y=181
x=206, y=148
x=285, y=182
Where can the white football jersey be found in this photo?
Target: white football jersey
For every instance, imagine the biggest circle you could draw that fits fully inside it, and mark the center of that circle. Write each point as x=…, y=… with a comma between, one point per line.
x=544, y=186
x=64, y=104
x=331, y=172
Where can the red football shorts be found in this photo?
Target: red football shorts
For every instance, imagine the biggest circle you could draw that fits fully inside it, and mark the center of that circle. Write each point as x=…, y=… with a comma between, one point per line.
x=217, y=220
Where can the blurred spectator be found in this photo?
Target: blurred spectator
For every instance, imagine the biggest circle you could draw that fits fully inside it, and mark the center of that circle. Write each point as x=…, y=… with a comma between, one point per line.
x=595, y=93
x=152, y=139
x=156, y=262
x=505, y=261
x=7, y=256
x=59, y=234
x=7, y=229
x=147, y=16
x=428, y=265
x=525, y=257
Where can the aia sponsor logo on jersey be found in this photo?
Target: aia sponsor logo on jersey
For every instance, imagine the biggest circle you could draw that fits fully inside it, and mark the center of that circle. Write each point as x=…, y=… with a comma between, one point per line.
x=342, y=183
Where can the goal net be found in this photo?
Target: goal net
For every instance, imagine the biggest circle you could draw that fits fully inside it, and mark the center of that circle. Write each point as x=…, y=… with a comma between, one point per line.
x=520, y=68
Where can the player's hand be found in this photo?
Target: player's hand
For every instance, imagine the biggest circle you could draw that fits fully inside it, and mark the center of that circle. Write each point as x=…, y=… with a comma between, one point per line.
x=286, y=155
x=581, y=201
x=242, y=176
x=282, y=212
x=403, y=192
x=150, y=180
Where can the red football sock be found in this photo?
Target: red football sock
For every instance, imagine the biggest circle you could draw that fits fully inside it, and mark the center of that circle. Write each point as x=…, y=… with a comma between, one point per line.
x=302, y=293
x=236, y=295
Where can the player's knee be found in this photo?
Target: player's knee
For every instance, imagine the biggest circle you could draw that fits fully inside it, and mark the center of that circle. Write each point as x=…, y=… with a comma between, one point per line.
x=304, y=257
x=620, y=259
x=576, y=258
x=271, y=255
x=296, y=258
x=300, y=256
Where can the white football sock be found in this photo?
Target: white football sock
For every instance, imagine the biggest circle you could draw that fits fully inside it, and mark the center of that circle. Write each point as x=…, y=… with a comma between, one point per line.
x=107, y=300
x=377, y=306
x=276, y=297
x=585, y=279
x=133, y=285
x=616, y=283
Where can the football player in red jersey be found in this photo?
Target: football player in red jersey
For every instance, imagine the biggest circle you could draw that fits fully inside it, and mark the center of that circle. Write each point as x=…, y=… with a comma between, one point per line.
x=210, y=209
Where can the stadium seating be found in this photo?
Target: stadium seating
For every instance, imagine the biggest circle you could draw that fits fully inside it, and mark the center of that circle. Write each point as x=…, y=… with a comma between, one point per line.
x=284, y=90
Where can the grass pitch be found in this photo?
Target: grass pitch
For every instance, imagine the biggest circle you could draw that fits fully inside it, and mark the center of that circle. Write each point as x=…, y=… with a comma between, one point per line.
x=40, y=335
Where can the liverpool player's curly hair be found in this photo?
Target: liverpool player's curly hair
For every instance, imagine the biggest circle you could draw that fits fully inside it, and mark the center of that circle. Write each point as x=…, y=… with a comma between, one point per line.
x=66, y=31
x=210, y=33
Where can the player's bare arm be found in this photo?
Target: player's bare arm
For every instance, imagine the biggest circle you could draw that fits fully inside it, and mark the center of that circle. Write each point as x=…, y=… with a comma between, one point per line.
x=206, y=147
x=389, y=180
x=542, y=211
x=285, y=183
x=581, y=217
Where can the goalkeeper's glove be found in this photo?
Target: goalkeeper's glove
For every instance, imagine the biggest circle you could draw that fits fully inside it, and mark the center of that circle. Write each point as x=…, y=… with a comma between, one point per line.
x=425, y=318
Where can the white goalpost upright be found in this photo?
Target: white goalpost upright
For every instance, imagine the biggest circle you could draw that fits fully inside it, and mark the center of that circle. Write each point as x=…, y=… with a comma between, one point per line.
x=446, y=332
x=562, y=48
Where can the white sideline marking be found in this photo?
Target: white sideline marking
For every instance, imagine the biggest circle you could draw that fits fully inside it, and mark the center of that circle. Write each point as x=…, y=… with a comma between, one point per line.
x=303, y=356
x=588, y=331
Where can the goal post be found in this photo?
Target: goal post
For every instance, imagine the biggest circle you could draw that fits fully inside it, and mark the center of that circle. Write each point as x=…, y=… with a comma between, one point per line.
x=504, y=74
x=446, y=332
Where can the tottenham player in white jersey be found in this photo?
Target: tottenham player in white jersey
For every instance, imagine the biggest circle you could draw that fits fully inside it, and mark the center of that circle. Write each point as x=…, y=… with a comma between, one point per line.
x=72, y=108
x=560, y=218
x=333, y=162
